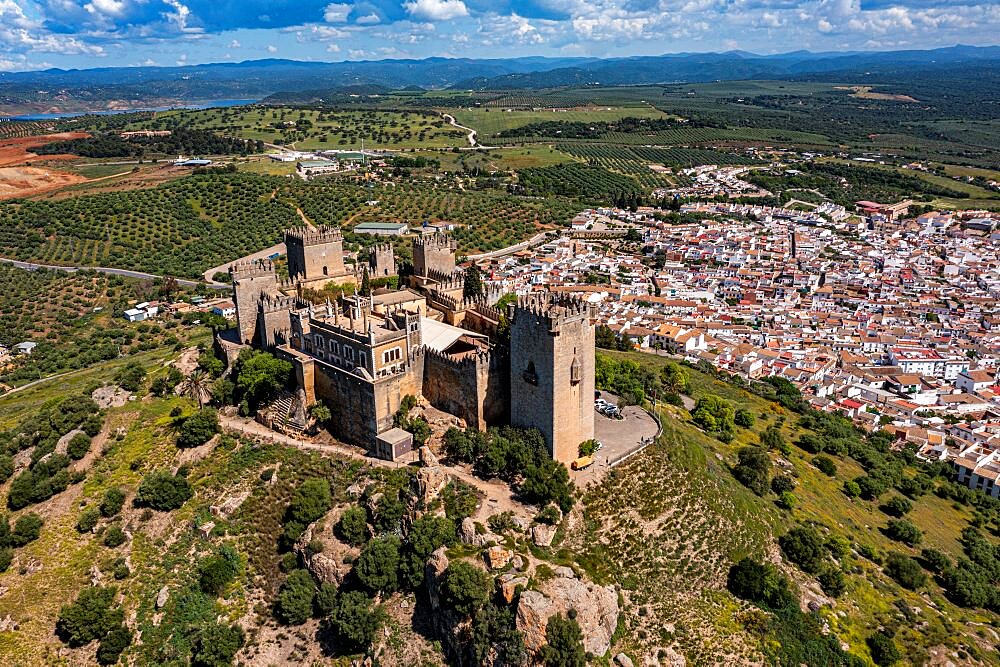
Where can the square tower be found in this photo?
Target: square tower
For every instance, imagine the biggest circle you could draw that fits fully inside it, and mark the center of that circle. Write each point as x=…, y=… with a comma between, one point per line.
x=314, y=254
x=434, y=255
x=552, y=371
x=251, y=280
x=382, y=261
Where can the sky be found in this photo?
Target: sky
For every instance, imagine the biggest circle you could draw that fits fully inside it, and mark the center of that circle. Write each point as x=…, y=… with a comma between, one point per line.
x=38, y=34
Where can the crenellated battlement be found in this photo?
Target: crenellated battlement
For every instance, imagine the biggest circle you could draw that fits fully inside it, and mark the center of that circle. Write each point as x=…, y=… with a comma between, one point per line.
x=481, y=358
x=553, y=308
x=435, y=241
x=272, y=303
x=308, y=236
x=251, y=268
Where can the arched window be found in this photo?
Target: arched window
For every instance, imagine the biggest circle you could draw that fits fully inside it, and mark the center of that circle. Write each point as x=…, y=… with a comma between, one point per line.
x=529, y=374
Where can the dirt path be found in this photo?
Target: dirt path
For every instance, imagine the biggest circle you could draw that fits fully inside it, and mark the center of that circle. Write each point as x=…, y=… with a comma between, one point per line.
x=474, y=144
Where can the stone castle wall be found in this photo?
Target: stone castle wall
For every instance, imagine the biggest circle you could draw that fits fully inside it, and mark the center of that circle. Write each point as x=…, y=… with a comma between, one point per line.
x=250, y=281
x=475, y=389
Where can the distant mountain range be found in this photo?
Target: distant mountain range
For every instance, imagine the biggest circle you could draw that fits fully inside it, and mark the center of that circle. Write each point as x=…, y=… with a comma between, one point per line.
x=133, y=87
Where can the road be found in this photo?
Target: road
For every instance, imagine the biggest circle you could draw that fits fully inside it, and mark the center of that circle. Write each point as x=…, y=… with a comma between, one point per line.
x=474, y=145
x=32, y=266
x=278, y=248
x=511, y=249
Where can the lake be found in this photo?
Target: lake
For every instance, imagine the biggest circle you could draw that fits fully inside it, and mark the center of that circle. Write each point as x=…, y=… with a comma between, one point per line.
x=199, y=105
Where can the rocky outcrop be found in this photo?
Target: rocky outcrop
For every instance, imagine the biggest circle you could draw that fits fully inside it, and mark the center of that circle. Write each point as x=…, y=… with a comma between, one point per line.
x=542, y=534
x=468, y=534
x=332, y=564
x=450, y=628
x=596, y=611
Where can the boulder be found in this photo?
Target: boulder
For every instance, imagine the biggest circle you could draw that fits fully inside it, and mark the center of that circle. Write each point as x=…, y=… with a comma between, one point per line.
x=497, y=558
x=467, y=531
x=623, y=660
x=162, y=597
x=596, y=612
x=508, y=585
x=427, y=457
x=664, y=657
x=542, y=534
x=205, y=529
x=523, y=524
x=429, y=483
x=517, y=563
x=331, y=565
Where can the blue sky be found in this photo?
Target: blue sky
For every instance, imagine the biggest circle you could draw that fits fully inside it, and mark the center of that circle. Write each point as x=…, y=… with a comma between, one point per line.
x=103, y=33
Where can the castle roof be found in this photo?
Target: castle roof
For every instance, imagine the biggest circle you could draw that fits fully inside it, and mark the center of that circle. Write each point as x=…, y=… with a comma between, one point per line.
x=439, y=336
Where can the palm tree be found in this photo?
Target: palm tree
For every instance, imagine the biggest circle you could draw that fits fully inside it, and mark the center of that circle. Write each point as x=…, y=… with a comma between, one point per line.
x=196, y=385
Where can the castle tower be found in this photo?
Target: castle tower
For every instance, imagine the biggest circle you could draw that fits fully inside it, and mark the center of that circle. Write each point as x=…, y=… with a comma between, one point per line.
x=250, y=281
x=382, y=261
x=434, y=254
x=274, y=319
x=552, y=371
x=314, y=254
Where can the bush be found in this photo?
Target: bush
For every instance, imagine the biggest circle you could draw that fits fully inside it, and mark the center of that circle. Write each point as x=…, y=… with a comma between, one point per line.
x=88, y=520
x=198, y=428
x=295, y=599
x=744, y=418
x=825, y=465
x=897, y=506
x=760, y=583
x=903, y=531
x=6, y=558
x=883, y=649
x=354, y=621
x=78, y=446
x=377, y=567
x=459, y=499
x=217, y=645
x=390, y=510
x=427, y=534
x=89, y=617
x=160, y=490
x=803, y=546
x=26, y=530
x=786, y=500
x=851, y=489
x=753, y=469
x=563, y=643
x=310, y=501
x=936, y=561
x=112, y=502
x=217, y=571
x=114, y=536
x=832, y=581
x=905, y=571
x=782, y=483
x=352, y=527
x=113, y=645
x=466, y=588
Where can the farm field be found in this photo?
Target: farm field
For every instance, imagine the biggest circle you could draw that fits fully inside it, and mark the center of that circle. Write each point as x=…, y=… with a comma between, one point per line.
x=311, y=129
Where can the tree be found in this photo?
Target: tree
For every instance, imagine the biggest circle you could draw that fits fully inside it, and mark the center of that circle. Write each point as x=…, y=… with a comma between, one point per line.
x=88, y=520
x=713, y=413
x=89, y=617
x=427, y=534
x=198, y=429
x=377, y=567
x=903, y=531
x=744, y=418
x=753, y=468
x=897, y=506
x=160, y=490
x=905, y=571
x=217, y=571
x=295, y=599
x=259, y=375
x=217, y=645
x=354, y=621
x=197, y=385
x=803, y=546
x=781, y=484
x=112, y=502
x=466, y=587
x=114, y=536
x=674, y=378
x=494, y=631
x=366, y=284
x=473, y=285
x=883, y=649
x=353, y=526
x=563, y=643
x=825, y=465
x=310, y=501
x=548, y=481
x=130, y=376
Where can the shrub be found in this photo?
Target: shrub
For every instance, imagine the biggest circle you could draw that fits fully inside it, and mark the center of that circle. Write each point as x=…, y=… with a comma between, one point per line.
x=389, y=512
x=851, y=489
x=78, y=446
x=563, y=643
x=753, y=469
x=782, y=483
x=354, y=621
x=897, y=506
x=112, y=502
x=744, y=418
x=89, y=617
x=883, y=649
x=935, y=560
x=160, y=490
x=113, y=645
x=352, y=527
x=310, y=501
x=378, y=565
x=903, y=531
x=217, y=645
x=295, y=599
x=88, y=520
x=786, y=500
x=832, y=581
x=217, y=571
x=905, y=571
x=460, y=500
x=760, y=583
x=26, y=530
x=198, y=428
x=6, y=558
x=825, y=465
x=427, y=534
x=803, y=546
x=114, y=536
x=325, y=600
x=466, y=587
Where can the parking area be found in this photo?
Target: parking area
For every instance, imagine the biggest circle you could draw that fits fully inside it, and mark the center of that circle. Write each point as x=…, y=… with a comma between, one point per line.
x=620, y=436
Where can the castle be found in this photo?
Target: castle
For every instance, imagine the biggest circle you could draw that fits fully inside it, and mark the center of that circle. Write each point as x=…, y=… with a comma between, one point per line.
x=530, y=364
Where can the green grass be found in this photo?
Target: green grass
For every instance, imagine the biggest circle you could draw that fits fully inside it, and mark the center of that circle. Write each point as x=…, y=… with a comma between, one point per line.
x=490, y=122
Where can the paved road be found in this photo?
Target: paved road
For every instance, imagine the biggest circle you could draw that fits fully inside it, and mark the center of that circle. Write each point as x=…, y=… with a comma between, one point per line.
x=278, y=248
x=511, y=249
x=32, y=266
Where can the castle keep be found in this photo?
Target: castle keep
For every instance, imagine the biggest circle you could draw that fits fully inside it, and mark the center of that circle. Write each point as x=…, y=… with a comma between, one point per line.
x=362, y=354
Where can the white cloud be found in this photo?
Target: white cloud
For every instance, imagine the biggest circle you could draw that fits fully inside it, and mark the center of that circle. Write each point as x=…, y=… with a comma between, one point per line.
x=336, y=13
x=235, y=44
x=332, y=48
x=369, y=19
x=149, y=62
x=272, y=48
x=106, y=7
x=436, y=10
x=182, y=60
